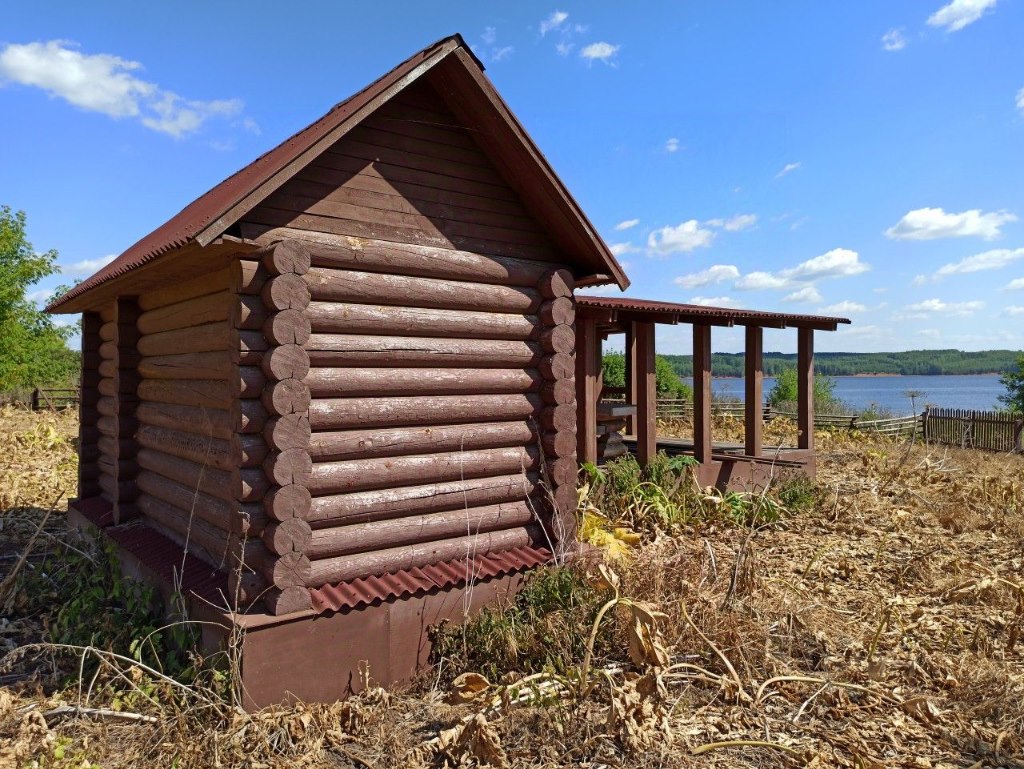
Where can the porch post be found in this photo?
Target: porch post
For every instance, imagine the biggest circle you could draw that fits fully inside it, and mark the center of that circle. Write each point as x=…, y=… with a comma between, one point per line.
x=586, y=389
x=646, y=394
x=632, y=371
x=702, y=393
x=754, y=397
x=805, y=387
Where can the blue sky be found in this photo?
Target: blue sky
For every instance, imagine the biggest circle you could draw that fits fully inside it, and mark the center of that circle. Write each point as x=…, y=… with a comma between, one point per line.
x=862, y=159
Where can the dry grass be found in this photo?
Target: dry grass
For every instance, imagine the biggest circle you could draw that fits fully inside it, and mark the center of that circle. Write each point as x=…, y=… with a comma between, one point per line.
x=884, y=628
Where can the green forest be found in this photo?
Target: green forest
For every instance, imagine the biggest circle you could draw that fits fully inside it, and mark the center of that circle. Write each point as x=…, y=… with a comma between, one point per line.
x=912, y=362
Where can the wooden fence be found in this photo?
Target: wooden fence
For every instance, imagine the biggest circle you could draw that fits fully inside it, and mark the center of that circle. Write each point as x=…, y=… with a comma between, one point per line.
x=55, y=399
x=993, y=430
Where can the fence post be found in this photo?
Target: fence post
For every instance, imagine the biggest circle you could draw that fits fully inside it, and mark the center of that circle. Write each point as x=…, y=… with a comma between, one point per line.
x=1018, y=436
x=35, y=399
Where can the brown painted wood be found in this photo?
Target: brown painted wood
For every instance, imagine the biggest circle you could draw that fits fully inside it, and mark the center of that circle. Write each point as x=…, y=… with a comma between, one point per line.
x=289, y=501
x=187, y=288
x=248, y=312
x=200, y=393
x=586, y=390
x=251, y=381
x=291, y=466
x=558, y=339
x=290, y=396
x=220, y=513
x=106, y=406
x=249, y=417
x=805, y=388
x=217, y=547
x=287, y=601
x=363, y=474
x=563, y=470
x=285, y=292
x=107, y=369
x=288, y=570
x=338, y=350
x=346, y=413
x=221, y=454
x=343, y=318
x=329, y=285
x=290, y=536
x=223, y=484
x=559, y=418
x=351, y=382
x=558, y=312
x=289, y=431
x=560, y=444
x=753, y=411
x=287, y=327
x=556, y=283
x=252, y=450
x=193, y=339
x=107, y=425
x=287, y=361
x=200, y=365
x=250, y=342
x=198, y=311
x=379, y=535
x=702, y=393
x=248, y=277
x=646, y=394
x=289, y=257
x=391, y=442
x=557, y=367
x=411, y=260
x=560, y=392
x=107, y=333
x=331, y=570
x=246, y=587
x=400, y=501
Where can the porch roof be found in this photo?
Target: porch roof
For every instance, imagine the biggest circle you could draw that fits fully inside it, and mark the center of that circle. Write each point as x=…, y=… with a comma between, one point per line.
x=620, y=309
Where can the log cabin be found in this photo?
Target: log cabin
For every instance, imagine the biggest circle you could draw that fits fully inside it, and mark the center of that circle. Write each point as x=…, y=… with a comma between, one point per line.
x=342, y=385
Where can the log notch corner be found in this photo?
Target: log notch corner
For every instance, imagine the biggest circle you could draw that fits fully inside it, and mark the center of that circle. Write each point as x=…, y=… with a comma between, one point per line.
x=558, y=419
x=272, y=325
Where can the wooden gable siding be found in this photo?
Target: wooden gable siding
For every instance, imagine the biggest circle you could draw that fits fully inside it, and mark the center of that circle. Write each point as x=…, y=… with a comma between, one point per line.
x=408, y=174
x=106, y=405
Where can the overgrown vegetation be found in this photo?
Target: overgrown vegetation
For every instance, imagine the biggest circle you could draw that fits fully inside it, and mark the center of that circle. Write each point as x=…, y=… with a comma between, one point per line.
x=784, y=393
x=1013, y=382
x=667, y=382
x=33, y=349
x=872, y=618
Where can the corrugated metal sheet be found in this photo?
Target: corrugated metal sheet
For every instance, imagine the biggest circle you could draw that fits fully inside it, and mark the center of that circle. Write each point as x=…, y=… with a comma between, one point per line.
x=194, y=218
x=168, y=560
x=696, y=310
x=369, y=590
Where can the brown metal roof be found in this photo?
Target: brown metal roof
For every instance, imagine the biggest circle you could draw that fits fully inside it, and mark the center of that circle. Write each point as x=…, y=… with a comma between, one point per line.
x=370, y=590
x=674, y=312
x=210, y=215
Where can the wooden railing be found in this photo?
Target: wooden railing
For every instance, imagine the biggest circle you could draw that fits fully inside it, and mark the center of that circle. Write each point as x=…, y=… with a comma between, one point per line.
x=994, y=430
x=55, y=398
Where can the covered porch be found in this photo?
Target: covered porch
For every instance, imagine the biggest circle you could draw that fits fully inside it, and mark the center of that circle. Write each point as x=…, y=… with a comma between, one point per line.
x=723, y=465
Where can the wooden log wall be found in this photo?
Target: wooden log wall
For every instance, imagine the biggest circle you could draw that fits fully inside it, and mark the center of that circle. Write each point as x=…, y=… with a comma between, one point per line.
x=89, y=435
x=441, y=406
x=126, y=400
x=105, y=419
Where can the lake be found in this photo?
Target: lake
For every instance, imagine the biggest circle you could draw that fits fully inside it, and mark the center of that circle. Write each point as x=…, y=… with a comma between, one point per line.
x=978, y=392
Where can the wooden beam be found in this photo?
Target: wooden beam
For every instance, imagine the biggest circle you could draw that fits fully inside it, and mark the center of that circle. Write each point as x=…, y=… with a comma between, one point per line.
x=702, y=393
x=631, y=372
x=805, y=387
x=754, y=397
x=586, y=390
x=646, y=394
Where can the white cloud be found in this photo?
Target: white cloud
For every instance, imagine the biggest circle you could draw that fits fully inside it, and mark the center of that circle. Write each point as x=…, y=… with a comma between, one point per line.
x=845, y=307
x=564, y=49
x=758, y=281
x=40, y=296
x=1020, y=100
x=685, y=237
x=930, y=306
x=672, y=145
x=600, y=52
x=933, y=223
x=618, y=249
x=1014, y=309
x=498, y=54
x=554, y=21
x=490, y=34
x=88, y=266
x=104, y=83
x=988, y=260
x=959, y=13
x=805, y=295
x=734, y=223
x=837, y=263
x=786, y=169
x=716, y=273
x=1015, y=285
x=893, y=40
x=715, y=301
x=626, y=224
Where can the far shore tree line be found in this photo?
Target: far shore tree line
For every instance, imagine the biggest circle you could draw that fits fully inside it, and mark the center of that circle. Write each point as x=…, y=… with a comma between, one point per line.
x=34, y=351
